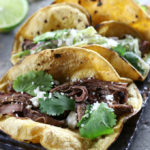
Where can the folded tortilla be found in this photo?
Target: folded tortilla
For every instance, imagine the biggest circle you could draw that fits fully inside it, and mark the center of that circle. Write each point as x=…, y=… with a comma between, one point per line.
x=126, y=11
x=52, y=17
x=64, y=63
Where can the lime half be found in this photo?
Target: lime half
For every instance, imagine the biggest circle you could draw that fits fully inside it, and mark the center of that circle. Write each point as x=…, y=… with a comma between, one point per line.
x=12, y=13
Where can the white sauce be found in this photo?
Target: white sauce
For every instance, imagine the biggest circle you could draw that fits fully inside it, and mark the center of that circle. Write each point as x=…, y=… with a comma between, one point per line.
x=28, y=106
x=39, y=94
x=72, y=120
x=109, y=97
x=95, y=106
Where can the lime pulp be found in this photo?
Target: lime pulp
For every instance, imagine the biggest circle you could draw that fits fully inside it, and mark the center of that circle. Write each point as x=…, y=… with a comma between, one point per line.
x=12, y=13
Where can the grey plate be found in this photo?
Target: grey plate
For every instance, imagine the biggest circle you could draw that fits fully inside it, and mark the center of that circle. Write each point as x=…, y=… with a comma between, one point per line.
x=136, y=132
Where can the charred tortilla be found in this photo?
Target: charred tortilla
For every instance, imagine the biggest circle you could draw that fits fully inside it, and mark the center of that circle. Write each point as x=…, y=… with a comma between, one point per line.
x=63, y=64
x=50, y=18
x=115, y=36
x=126, y=11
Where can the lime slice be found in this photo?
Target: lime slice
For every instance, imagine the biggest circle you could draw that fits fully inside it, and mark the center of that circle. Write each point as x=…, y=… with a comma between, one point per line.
x=12, y=13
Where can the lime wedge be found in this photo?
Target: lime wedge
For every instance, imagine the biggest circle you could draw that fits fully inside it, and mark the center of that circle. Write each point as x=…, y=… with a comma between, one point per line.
x=12, y=13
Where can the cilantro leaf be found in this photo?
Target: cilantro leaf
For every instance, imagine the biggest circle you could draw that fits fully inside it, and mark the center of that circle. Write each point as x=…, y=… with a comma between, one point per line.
x=22, y=54
x=56, y=105
x=135, y=61
x=30, y=81
x=120, y=49
x=99, y=122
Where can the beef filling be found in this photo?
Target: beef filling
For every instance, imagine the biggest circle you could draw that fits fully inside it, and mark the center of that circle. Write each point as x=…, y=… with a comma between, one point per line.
x=84, y=92
x=88, y=91
x=27, y=44
x=144, y=47
x=18, y=104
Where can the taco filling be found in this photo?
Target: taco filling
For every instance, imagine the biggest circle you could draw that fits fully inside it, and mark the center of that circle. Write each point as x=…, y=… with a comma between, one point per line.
x=128, y=48
x=78, y=104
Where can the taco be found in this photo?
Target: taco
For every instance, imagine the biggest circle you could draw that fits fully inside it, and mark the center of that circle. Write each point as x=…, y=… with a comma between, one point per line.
x=57, y=96
x=126, y=11
x=126, y=44
x=50, y=18
x=133, y=51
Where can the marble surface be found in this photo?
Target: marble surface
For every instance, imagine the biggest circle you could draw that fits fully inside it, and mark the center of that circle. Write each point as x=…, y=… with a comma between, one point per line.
x=139, y=140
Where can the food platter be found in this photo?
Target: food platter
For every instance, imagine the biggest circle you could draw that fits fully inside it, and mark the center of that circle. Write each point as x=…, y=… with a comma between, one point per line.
x=134, y=136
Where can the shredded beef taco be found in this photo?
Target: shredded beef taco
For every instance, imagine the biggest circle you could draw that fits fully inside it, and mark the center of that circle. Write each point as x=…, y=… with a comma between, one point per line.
x=124, y=49
x=50, y=18
x=125, y=11
x=68, y=98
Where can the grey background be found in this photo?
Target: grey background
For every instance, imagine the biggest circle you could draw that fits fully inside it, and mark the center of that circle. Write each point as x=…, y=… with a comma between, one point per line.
x=141, y=137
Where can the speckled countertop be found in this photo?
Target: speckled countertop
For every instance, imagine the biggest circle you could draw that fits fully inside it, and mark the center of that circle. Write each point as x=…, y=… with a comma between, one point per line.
x=134, y=138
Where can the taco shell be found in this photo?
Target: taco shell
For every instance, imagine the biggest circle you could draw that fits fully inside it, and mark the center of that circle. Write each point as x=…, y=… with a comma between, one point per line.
x=122, y=66
x=117, y=29
x=126, y=11
x=64, y=63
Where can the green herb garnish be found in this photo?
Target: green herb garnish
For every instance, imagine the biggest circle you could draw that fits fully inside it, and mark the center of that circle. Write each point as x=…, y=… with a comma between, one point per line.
x=56, y=105
x=134, y=60
x=120, y=49
x=22, y=54
x=98, y=122
x=31, y=80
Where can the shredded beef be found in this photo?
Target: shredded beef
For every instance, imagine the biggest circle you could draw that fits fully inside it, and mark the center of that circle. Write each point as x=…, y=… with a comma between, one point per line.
x=16, y=103
x=85, y=92
x=43, y=118
x=81, y=107
x=145, y=47
x=27, y=44
x=15, y=97
x=11, y=108
x=88, y=91
x=122, y=109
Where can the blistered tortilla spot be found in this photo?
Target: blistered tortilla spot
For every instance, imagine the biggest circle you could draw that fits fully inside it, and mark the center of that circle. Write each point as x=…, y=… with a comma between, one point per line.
x=95, y=11
x=136, y=16
x=79, y=1
x=57, y=55
x=99, y=3
x=64, y=17
x=79, y=20
x=45, y=21
x=38, y=32
x=58, y=26
x=86, y=26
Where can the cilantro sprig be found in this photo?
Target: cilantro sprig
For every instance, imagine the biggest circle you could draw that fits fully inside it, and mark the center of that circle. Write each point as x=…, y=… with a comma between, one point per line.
x=120, y=49
x=98, y=122
x=31, y=80
x=56, y=105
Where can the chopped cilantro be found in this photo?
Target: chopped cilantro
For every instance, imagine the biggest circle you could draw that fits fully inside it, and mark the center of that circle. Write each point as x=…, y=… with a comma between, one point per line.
x=120, y=49
x=44, y=45
x=144, y=8
x=98, y=122
x=56, y=105
x=22, y=54
x=134, y=60
x=31, y=80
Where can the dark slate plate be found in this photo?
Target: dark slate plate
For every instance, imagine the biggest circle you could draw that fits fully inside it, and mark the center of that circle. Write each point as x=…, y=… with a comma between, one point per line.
x=136, y=132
